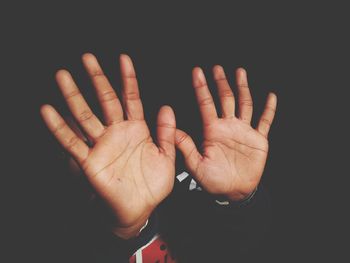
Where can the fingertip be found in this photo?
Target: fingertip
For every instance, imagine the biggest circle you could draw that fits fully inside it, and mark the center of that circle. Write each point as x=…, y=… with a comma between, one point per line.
x=167, y=108
x=241, y=70
x=90, y=63
x=45, y=108
x=198, y=77
x=88, y=56
x=47, y=113
x=273, y=94
x=218, y=67
x=241, y=77
x=166, y=114
x=126, y=65
x=62, y=74
x=196, y=70
x=124, y=57
x=218, y=72
x=272, y=97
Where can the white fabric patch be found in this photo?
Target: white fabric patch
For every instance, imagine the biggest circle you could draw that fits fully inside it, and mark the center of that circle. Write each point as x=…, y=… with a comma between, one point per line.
x=193, y=185
x=222, y=202
x=139, y=256
x=182, y=176
x=138, y=252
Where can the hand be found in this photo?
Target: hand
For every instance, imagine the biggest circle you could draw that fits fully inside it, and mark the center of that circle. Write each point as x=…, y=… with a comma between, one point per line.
x=234, y=154
x=127, y=169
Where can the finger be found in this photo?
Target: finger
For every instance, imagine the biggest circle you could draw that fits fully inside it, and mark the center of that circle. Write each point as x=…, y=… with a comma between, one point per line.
x=188, y=148
x=67, y=138
x=166, y=127
x=244, y=98
x=131, y=94
x=268, y=115
x=225, y=93
x=204, y=98
x=74, y=167
x=75, y=128
x=110, y=104
x=78, y=106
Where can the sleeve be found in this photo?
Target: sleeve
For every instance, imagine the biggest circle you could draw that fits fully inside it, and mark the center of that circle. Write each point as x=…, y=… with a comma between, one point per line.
x=248, y=220
x=199, y=228
x=112, y=249
x=191, y=225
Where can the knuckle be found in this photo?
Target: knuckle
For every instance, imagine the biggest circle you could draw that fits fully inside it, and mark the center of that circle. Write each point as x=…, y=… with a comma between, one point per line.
x=84, y=165
x=85, y=115
x=166, y=125
x=220, y=79
x=72, y=142
x=130, y=77
x=271, y=109
x=227, y=93
x=243, y=86
x=165, y=141
x=266, y=121
x=59, y=127
x=246, y=102
x=182, y=138
x=200, y=85
x=97, y=73
x=108, y=96
x=72, y=94
x=206, y=101
x=132, y=95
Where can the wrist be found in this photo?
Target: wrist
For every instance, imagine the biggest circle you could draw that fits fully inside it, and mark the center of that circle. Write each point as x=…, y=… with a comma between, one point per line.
x=238, y=196
x=128, y=232
x=237, y=199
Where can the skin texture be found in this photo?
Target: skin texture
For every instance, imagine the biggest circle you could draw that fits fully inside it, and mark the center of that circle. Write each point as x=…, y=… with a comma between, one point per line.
x=130, y=171
x=234, y=153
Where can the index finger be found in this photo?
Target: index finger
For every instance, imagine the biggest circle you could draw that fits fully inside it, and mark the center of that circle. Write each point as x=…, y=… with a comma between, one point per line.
x=204, y=98
x=64, y=134
x=131, y=94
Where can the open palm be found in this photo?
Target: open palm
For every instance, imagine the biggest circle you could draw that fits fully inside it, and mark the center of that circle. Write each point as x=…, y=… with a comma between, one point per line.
x=129, y=171
x=234, y=154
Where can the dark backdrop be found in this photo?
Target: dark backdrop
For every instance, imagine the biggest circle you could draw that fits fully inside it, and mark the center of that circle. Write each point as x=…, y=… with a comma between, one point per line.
x=299, y=51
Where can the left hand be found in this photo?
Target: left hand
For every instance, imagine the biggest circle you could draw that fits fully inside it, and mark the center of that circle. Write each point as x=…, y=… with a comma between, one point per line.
x=234, y=153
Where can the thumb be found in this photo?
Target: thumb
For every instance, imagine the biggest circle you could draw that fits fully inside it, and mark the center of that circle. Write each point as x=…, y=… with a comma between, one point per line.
x=188, y=148
x=166, y=126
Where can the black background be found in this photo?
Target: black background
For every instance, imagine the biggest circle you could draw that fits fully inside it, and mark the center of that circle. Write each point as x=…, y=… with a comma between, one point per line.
x=299, y=51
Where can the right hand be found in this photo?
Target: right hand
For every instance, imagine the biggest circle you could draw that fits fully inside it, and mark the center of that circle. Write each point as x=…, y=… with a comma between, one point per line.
x=126, y=168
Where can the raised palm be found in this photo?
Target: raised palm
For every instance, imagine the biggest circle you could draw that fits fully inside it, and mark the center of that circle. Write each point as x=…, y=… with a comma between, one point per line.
x=129, y=171
x=234, y=154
